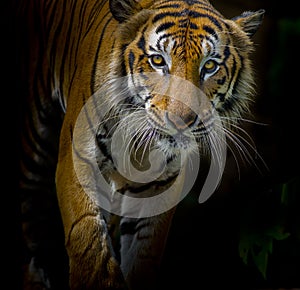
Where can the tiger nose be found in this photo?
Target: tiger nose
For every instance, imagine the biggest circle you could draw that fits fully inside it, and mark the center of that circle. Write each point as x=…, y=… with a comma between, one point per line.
x=182, y=121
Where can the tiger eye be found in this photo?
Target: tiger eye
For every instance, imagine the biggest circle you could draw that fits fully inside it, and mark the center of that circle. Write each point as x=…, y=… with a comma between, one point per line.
x=158, y=60
x=210, y=65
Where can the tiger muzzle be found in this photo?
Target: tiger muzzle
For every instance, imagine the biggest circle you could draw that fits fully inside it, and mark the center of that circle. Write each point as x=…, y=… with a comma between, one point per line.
x=180, y=120
x=173, y=114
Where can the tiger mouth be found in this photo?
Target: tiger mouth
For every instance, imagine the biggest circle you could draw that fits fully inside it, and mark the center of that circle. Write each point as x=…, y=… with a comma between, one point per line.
x=179, y=141
x=183, y=139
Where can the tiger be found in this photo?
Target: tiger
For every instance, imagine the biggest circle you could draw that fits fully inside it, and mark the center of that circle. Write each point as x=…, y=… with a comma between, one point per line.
x=105, y=84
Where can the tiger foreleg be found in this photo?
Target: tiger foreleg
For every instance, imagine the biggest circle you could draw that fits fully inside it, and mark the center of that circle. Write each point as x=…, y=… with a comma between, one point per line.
x=142, y=245
x=91, y=261
x=91, y=264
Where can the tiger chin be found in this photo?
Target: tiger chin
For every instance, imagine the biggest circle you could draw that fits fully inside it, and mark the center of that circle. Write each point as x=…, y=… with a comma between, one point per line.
x=168, y=77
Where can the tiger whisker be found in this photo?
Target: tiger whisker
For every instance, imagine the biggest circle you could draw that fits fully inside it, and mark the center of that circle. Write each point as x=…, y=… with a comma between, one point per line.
x=216, y=146
x=233, y=153
x=238, y=119
x=125, y=119
x=147, y=141
x=237, y=140
x=135, y=130
x=236, y=126
x=140, y=135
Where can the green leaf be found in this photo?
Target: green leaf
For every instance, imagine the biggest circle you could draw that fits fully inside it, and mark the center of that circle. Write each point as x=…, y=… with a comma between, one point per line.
x=277, y=232
x=259, y=246
x=261, y=259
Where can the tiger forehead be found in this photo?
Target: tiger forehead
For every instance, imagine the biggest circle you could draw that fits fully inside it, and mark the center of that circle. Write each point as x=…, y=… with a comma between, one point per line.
x=185, y=28
x=184, y=34
x=186, y=14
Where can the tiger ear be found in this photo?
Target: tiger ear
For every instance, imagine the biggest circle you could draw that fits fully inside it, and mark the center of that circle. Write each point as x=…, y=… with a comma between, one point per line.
x=123, y=9
x=250, y=21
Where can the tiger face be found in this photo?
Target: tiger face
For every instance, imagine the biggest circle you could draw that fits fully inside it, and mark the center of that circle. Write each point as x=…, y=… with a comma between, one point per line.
x=186, y=65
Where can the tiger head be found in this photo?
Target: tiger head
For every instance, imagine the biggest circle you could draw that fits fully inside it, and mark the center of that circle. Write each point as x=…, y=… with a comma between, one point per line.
x=184, y=65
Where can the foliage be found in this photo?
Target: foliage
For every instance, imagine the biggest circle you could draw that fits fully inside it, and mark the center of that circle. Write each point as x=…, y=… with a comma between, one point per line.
x=274, y=216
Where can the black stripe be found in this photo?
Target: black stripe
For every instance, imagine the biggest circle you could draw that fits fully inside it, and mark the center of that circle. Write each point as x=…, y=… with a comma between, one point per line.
x=56, y=35
x=190, y=13
x=221, y=96
x=160, y=16
x=66, y=49
x=226, y=54
x=97, y=53
x=131, y=59
x=121, y=59
x=128, y=227
x=216, y=55
x=210, y=9
x=146, y=186
x=210, y=31
x=141, y=57
x=214, y=20
x=221, y=81
x=166, y=35
x=52, y=15
x=229, y=102
x=193, y=26
x=70, y=85
x=164, y=26
x=190, y=2
x=96, y=10
x=101, y=142
x=233, y=71
x=141, y=42
x=168, y=6
x=236, y=84
x=82, y=12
